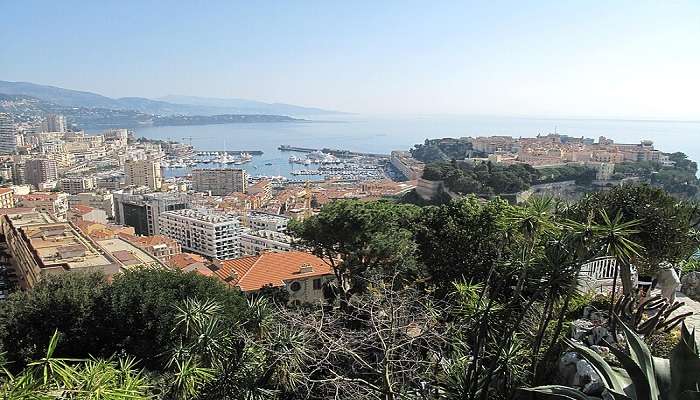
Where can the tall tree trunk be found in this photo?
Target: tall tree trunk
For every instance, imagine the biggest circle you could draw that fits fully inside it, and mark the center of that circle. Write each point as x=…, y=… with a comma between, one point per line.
x=626, y=278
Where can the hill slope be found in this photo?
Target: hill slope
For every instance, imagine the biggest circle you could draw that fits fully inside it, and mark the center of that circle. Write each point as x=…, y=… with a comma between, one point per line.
x=184, y=105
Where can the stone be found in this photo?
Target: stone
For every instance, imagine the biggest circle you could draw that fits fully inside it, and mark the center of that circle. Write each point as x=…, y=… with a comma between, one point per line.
x=602, y=351
x=600, y=336
x=668, y=282
x=594, y=388
x=581, y=328
x=690, y=285
x=574, y=371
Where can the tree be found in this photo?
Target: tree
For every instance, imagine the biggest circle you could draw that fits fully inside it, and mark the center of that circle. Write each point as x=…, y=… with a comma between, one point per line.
x=464, y=239
x=143, y=309
x=75, y=304
x=665, y=228
x=360, y=240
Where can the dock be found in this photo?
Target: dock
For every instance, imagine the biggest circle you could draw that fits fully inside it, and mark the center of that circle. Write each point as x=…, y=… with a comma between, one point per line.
x=335, y=152
x=229, y=152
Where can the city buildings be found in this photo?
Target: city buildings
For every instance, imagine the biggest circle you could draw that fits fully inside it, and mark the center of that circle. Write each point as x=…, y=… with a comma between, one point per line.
x=38, y=171
x=8, y=143
x=51, y=203
x=101, y=201
x=128, y=255
x=39, y=245
x=267, y=222
x=255, y=242
x=302, y=274
x=143, y=173
x=220, y=181
x=54, y=123
x=409, y=167
x=159, y=246
x=203, y=231
x=7, y=198
x=141, y=210
x=77, y=184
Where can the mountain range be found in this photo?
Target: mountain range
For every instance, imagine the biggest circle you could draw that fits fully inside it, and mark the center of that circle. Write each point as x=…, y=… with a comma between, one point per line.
x=165, y=106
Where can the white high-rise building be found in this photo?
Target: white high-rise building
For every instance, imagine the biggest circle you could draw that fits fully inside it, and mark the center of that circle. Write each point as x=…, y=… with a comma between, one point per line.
x=204, y=232
x=8, y=142
x=220, y=181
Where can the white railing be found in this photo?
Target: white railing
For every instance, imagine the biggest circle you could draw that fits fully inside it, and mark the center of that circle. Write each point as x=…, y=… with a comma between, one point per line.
x=597, y=275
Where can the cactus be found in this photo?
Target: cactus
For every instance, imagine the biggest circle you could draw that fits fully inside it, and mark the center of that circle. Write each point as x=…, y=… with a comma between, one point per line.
x=643, y=377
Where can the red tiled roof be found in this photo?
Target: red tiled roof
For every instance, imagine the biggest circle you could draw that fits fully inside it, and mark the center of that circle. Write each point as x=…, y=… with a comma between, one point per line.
x=184, y=260
x=5, y=190
x=270, y=268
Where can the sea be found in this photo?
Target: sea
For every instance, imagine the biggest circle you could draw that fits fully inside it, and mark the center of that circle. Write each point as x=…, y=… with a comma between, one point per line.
x=382, y=134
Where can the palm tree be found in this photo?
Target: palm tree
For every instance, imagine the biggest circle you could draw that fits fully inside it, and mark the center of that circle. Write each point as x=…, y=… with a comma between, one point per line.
x=614, y=241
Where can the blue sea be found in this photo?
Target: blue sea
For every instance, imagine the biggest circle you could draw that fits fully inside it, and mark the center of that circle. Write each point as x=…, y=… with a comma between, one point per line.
x=384, y=134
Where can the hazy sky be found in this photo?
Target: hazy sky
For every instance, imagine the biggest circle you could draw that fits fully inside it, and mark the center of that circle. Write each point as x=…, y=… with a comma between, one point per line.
x=585, y=58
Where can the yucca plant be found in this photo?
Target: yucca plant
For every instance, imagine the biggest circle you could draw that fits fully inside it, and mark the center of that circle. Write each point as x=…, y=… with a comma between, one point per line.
x=642, y=377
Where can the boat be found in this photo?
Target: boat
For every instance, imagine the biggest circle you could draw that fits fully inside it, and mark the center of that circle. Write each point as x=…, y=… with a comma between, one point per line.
x=293, y=159
x=268, y=163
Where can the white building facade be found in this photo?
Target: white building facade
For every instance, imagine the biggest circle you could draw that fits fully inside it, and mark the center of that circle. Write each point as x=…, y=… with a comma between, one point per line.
x=204, y=232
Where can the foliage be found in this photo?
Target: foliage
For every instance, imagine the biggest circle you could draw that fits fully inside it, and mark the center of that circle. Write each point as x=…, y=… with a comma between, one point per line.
x=133, y=315
x=679, y=179
x=666, y=228
x=582, y=174
x=75, y=304
x=361, y=240
x=644, y=377
x=434, y=150
x=481, y=178
x=53, y=377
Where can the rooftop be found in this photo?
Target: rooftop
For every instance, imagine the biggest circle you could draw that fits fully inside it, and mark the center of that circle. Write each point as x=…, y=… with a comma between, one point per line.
x=202, y=215
x=127, y=254
x=271, y=268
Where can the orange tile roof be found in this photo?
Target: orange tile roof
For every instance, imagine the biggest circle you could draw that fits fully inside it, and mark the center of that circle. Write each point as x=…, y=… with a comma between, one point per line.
x=82, y=209
x=184, y=260
x=270, y=268
x=5, y=190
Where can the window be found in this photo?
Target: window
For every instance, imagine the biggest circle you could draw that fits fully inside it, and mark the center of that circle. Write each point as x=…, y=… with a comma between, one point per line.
x=295, y=286
x=317, y=284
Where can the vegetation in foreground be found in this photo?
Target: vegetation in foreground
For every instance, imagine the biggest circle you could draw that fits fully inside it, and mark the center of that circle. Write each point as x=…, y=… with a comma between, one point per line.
x=466, y=300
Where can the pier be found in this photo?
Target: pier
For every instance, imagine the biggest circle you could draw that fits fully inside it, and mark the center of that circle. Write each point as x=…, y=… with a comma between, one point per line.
x=229, y=152
x=335, y=152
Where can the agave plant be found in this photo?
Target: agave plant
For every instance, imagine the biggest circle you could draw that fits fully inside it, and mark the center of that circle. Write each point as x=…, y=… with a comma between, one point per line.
x=642, y=377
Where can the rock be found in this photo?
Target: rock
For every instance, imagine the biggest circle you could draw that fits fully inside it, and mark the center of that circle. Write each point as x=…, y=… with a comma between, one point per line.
x=574, y=371
x=585, y=374
x=690, y=285
x=600, y=336
x=580, y=328
x=594, y=388
x=602, y=351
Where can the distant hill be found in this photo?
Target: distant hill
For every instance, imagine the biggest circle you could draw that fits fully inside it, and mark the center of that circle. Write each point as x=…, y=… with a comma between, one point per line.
x=244, y=106
x=193, y=105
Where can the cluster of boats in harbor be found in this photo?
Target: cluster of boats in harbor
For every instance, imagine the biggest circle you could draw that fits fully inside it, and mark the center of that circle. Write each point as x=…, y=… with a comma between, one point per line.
x=218, y=158
x=344, y=171
x=315, y=157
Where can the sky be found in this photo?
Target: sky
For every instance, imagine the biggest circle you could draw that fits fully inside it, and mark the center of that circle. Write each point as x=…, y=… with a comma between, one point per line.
x=629, y=59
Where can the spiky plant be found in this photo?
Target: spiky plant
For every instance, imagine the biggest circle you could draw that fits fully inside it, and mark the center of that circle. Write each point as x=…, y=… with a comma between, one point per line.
x=642, y=377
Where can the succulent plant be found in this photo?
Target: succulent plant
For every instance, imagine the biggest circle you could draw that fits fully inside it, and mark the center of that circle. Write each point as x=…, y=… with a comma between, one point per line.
x=642, y=377
x=630, y=311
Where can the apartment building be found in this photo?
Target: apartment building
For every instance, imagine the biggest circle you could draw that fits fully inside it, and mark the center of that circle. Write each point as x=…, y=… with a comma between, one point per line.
x=53, y=203
x=7, y=198
x=143, y=173
x=100, y=201
x=258, y=221
x=220, y=181
x=203, y=231
x=40, y=170
x=408, y=166
x=255, y=242
x=40, y=245
x=8, y=144
x=159, y=246
x=77, y=184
